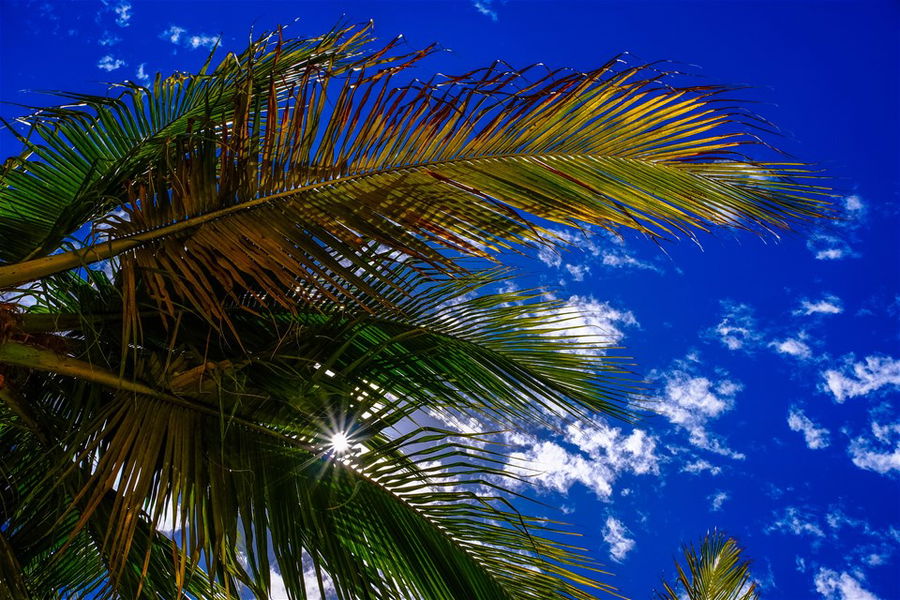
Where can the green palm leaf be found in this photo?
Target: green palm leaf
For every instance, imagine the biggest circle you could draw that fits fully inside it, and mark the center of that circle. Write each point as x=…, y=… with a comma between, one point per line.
x=45, y=554
x=278, y=191
x=238, y=437
x=714, y=572
x=296, y=240
x=79, y=158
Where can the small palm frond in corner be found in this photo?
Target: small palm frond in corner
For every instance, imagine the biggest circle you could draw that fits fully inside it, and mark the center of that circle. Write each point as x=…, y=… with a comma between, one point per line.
x=715, y=572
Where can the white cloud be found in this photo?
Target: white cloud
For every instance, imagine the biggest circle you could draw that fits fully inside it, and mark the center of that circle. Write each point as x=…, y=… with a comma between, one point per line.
x=109, y=39
x=634, y=452
x=854, y=206
x=108, y=63
x=717, y=500
x=828, y=305
x=874, y=560
x=141, y=73
x=861, y=378
x=615, y=255
x=278, y=590
x=815, y=437
x=834, y=245
x=609, y=248
x=616, y=535
x=699, y=466
x=22, y=297
x=203, y=41
x=837, y=519
x=312, y=586
x=792, y=347
x=549, y=255
x=553, y=468
x=840, y=586
x=737, y=329
x=590, y=322
x=121, y=9
x=123, y=13
x=828, y=247
x=485, y=7
x=620, y=259
x=879, y=453
x=601, y=453
x=180, y=37
x=798, y=522
x=170, y=519
x=853, y=538
x=690, y=401
x=173, y=33
x=577, y=271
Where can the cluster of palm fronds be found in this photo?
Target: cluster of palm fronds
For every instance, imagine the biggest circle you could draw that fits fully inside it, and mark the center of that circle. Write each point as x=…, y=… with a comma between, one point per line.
x=232, y=298
x=715, y=571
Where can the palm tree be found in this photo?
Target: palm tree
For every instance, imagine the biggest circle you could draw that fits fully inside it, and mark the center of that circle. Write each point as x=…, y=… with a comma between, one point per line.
x=716, y=572
x=233, y=299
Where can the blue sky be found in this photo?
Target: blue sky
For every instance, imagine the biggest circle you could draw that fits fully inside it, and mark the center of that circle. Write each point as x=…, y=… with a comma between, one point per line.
x=775, y=366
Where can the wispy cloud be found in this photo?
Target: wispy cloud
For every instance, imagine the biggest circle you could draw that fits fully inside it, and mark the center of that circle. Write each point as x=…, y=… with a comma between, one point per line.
x=701, y=466
x=797, y=521
x=616, y=535
x=181, y=37
x=109, y=39
x=577, y=271
x=827, y=305
x=737, y=330
x=860, y=378
x=690, y=401
x=485, y=7
x=880, y=452
x=121, y=11
x=814, y=436
x=634, y=452
x=173, y=33
x=202, y=41
x=604, y=249
x=141, y=73
x=614, y=253
x=835, y=242
x=108, y=63
x=853, y=538
x=591, y=456
x=592, y=322
x=619, y=259
x=829, y=247
x=792, y=347
x=833, y=524
x=840, y=586
x=553, y=468
x=717, y=500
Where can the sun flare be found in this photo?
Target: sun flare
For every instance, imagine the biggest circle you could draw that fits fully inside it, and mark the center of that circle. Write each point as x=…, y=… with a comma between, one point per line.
x=340, y=443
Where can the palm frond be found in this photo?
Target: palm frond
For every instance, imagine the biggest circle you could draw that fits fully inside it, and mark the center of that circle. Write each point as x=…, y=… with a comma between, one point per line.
x=714, y=572
x=79, y=158
x=289, y=235
x=238, y=437
x=279, y=191
x=45, y=555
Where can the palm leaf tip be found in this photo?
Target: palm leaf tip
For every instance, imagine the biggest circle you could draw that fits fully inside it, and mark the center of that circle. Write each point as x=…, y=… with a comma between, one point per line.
x=715, y=571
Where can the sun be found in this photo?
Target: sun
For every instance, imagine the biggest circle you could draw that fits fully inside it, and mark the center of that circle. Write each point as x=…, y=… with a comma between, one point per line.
x=340, y=443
